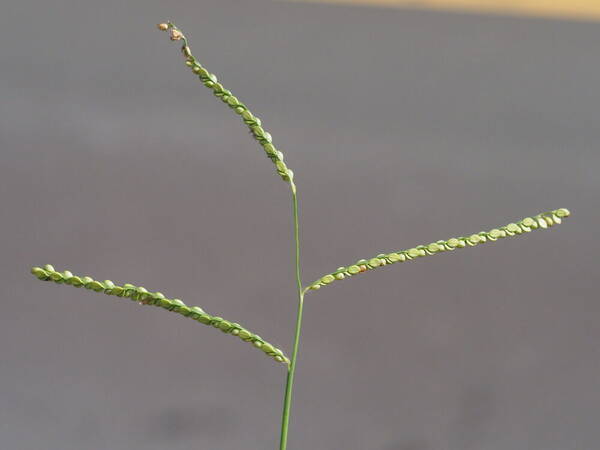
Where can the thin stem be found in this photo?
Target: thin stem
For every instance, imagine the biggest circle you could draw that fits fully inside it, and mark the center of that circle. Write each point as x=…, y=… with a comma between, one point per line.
x=287, y=403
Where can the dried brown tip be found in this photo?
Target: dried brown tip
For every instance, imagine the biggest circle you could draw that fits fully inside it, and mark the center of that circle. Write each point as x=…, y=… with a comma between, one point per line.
x=163, y=26
x=176, y=35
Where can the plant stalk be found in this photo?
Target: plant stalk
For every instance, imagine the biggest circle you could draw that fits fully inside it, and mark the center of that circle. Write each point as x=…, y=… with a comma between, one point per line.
x=287, y=402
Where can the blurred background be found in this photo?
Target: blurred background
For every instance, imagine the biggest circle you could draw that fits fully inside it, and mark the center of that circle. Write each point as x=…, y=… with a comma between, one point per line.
x=403, y=126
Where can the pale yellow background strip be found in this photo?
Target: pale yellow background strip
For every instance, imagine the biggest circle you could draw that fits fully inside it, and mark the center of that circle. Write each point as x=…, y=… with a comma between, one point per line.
x=580, y=9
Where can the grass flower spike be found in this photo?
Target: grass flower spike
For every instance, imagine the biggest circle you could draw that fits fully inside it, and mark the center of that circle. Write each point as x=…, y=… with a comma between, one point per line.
x=143, y=297
x=254, y=124
x=264, y=138
x=541, y=221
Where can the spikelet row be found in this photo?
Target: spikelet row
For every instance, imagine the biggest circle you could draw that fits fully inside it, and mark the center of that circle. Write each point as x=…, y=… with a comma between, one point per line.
x=254, y=124
x=141, y=295
x=541, y=221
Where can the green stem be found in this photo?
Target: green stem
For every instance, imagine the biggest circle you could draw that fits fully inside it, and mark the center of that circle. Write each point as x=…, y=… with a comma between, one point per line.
x=287, y=403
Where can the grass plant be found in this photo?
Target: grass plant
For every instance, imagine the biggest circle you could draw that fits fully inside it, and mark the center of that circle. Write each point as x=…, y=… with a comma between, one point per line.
x=143, y=296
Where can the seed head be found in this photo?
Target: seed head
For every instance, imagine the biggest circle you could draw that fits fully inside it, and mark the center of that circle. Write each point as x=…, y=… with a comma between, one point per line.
x=187, y=51
x=163, y=26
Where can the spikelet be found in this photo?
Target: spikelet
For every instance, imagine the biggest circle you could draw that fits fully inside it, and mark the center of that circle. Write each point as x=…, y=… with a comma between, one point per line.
x=254, y=123
x=141, y=295
x=526, y=225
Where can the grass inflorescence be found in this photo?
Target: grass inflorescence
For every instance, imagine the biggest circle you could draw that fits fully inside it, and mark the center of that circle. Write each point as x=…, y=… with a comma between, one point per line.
x=254, y=124
x=264, y=138
x=541, y=221
x=144, y=297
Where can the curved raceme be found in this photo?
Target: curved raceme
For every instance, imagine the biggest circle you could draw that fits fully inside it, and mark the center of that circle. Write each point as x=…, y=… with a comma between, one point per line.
x=254, y=123
x=141, y=295
x=541, y=221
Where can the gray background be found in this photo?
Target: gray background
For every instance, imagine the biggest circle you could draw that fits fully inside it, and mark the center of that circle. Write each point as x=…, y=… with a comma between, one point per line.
x=402, y=127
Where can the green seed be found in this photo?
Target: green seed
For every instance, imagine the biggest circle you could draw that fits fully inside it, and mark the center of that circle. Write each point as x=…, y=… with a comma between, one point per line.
x=244, y=334
x=327, y=279
x=205, y=319
x=197, y=310
x=248, y=116
x=269, y=148
x=164, y=303
x=433, y=247
x=354, y=270
x=474, y=239
x=512, y=227
x=267, y=348
x=528, y=222
x=95, y=286
x=184, y=310
x=524, y=228
x=281, y=167
x=413, y=252
x=375, y=262
x=75, y=281
x=225, y=325
x=393, y=257
x=55, y=276
x=453, y=243
x=39, y=273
